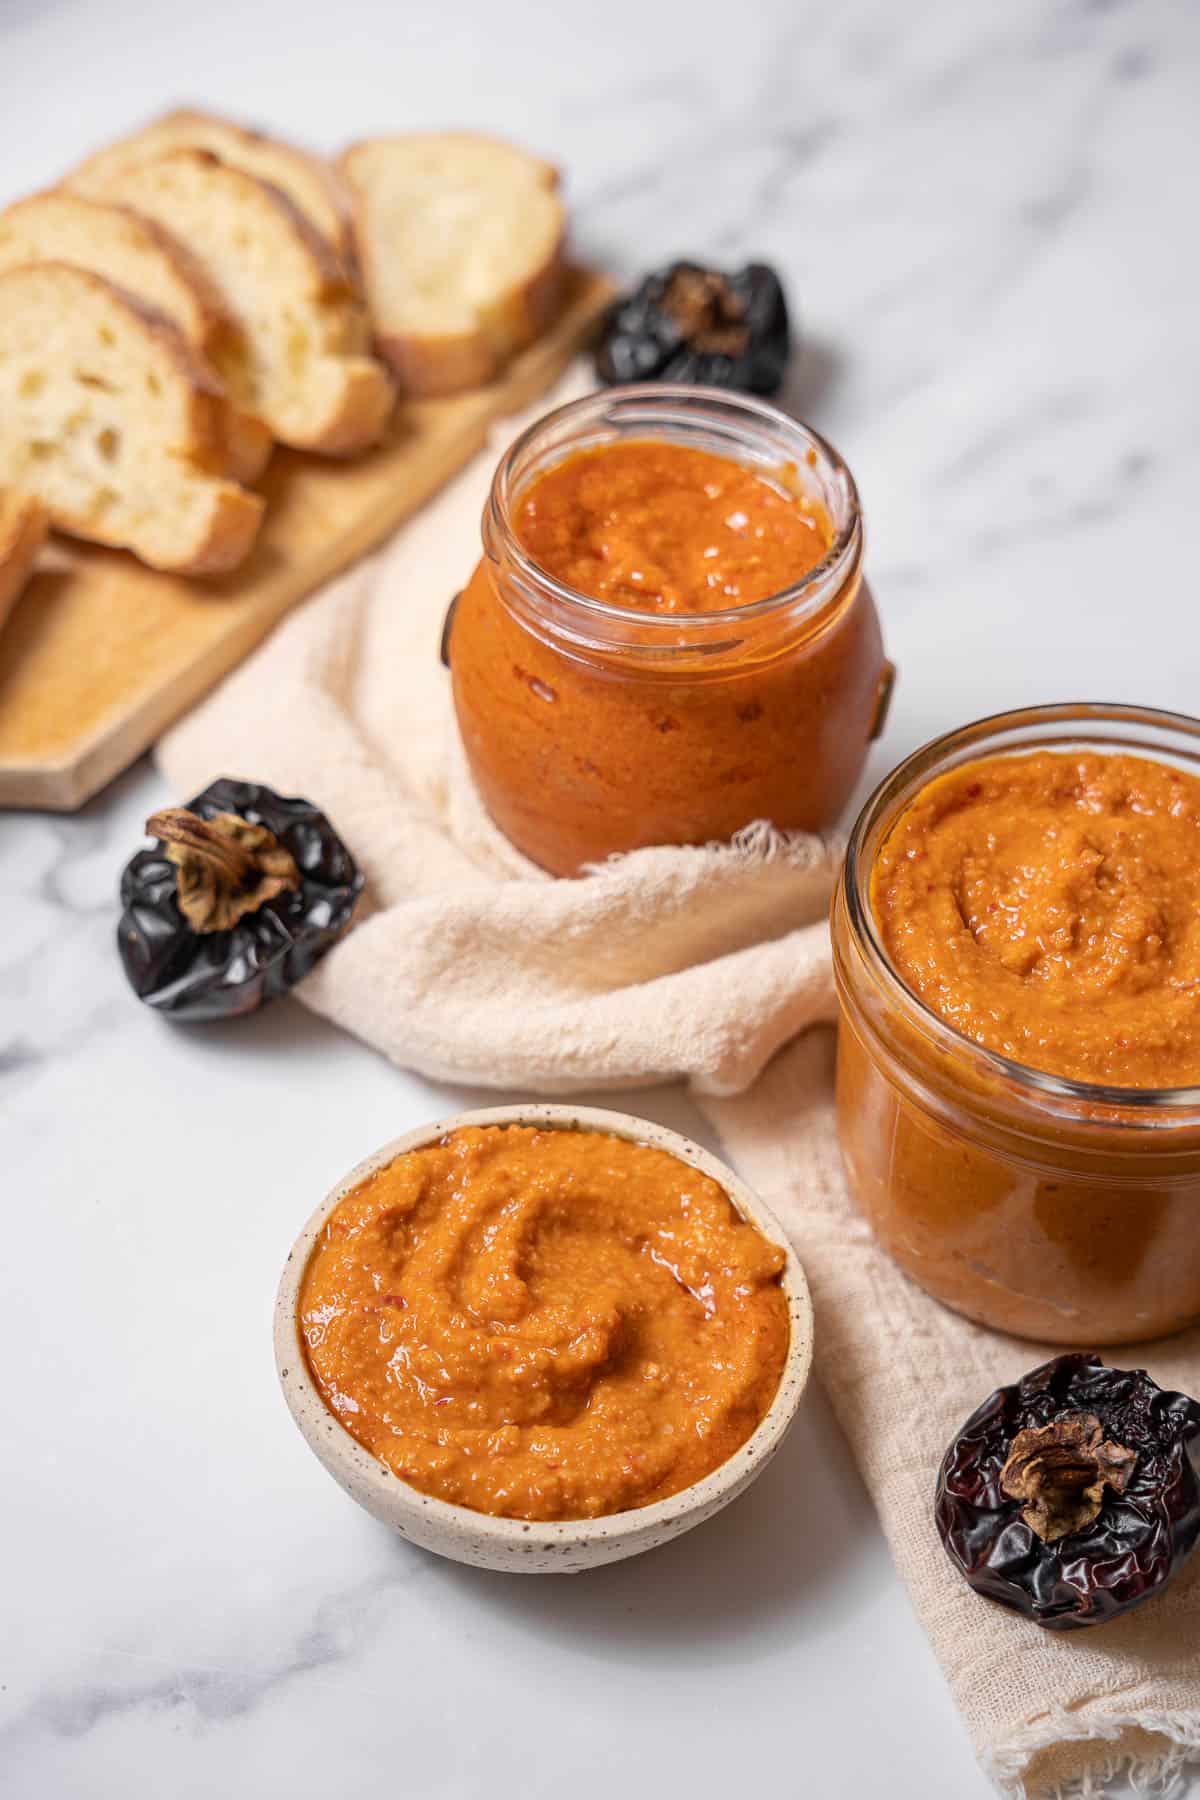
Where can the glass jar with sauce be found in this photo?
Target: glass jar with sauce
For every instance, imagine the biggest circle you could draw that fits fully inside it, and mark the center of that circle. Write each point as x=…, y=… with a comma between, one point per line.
x=595, y=725
x=1051, y=1208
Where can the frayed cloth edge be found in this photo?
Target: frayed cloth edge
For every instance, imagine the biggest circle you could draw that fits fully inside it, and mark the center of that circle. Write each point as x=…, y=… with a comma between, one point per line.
x=758, y=842
x=1157, y=1777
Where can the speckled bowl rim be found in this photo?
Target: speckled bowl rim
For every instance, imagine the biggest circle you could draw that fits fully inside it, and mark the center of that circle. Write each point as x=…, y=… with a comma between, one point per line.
x=313, y=1417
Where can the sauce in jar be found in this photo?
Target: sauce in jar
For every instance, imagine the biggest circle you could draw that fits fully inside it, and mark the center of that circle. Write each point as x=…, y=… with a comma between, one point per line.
x=1045, y=906
x=664, y=528
x=664, y=644
x=1017, y=953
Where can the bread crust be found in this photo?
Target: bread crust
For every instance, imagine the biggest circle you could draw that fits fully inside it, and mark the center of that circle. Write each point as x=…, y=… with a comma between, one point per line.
x=201, y=317
x=328, y=209
x=249, y=446
x=427, y=365
x=548, y=173
x=366, y=396
x=234, y=514
x=331, y=271
x=24, y=523
x=205, y=323
x=232, y=528
x=205, y=392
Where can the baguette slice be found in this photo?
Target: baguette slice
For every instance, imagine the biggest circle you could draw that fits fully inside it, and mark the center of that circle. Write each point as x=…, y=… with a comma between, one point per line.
x=302, y=367
x=137, y=255
x=314, y=187
x=113, y=424
x=23, y=527
x=460, y=240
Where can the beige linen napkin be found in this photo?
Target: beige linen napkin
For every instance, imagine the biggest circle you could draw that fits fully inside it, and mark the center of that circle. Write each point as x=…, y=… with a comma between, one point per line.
x=468, y=963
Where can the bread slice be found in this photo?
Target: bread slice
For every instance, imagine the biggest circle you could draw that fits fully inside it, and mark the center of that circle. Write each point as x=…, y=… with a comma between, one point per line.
x=460, y=240
x=23, y=527
x=314, y=187
x=303, y=368
x=138, y=255
x=113, y=424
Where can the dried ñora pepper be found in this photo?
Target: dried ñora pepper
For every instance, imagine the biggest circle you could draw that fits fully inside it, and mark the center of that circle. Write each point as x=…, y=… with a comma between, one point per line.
x=1075, y=1494
x=700, y=326
x=241, y=896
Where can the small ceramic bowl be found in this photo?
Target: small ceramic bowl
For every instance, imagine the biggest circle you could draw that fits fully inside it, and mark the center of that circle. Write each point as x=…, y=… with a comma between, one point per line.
x=521, y=1546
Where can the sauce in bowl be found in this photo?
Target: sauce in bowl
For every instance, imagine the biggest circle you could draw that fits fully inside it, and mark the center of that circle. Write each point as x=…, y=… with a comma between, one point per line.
x=542, y=1323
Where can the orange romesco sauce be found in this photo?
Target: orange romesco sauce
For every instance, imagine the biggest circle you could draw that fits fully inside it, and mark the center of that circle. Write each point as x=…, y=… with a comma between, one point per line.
x=544, y=1324
x=661, y=527
x=1046, y=905
x=586, y=741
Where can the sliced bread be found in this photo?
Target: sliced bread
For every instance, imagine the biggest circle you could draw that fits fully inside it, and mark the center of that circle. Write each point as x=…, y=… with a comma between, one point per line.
x=314, y=187
x=460, y=241
x=141, y=257
x=301, y=366
x=113, y=424
x=23, y=527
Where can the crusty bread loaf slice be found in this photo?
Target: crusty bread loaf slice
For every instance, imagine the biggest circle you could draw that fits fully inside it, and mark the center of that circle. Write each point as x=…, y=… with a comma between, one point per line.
x=141, y=257
x=23, y=527
x=303, y=367
x=460, y=240
x=110, y=421
x=314, y=187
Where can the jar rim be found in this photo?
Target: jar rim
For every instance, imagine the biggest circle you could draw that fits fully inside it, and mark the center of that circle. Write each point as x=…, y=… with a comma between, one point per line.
x=1026, y=727
x=679, y=402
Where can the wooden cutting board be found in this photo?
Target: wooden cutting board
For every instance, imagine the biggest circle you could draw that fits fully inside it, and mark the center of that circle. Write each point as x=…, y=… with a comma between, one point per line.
x=101, y=654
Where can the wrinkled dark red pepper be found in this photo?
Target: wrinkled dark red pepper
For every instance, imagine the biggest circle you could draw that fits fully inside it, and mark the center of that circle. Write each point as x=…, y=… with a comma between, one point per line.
x=1075, y=1494
x=705, y=327
x=239, y=899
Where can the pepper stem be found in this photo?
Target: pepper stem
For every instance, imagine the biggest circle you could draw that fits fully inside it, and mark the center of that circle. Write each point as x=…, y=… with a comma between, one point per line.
x=226, y=866
x=707, y=311
x=1061, y=1470
x=175, y=825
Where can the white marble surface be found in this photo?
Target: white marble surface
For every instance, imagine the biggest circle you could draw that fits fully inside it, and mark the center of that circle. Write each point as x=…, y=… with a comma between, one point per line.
x=987, y=218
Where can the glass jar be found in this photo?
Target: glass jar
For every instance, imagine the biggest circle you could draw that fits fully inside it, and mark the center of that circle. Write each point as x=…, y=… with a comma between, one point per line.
x=592, y=728
x=1047, y=1208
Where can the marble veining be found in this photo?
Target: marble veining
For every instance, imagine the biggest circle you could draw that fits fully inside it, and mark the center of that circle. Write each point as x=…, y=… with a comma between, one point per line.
x=985, y=219
x=340, y=1630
